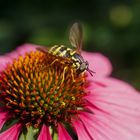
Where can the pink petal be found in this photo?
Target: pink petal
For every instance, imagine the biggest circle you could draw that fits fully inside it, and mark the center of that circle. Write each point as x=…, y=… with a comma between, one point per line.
x=98, y=63
x=4, y=60
x=81, y=131
x=3, y=117
x=96, y=129
x=12, y=133
x=114, y=128
x=21, y=50
x=110, y=82
x=115, y=100
x=116, y=110
x=44, y=134
x=62, y=133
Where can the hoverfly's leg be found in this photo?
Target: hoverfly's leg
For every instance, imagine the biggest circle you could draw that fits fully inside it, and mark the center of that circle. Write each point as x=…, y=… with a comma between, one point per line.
x=63, y=76
x=54, y=61
x=72, y=75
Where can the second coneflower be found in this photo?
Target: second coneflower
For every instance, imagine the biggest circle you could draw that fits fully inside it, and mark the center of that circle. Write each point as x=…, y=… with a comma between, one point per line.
x=39, y=100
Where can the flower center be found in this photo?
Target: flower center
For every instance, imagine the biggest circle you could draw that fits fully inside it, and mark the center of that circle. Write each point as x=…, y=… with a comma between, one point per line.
x=41, y=88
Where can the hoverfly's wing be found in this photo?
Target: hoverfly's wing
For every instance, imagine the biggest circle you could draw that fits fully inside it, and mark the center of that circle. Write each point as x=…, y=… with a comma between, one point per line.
x=76, y=36
x=42, y=49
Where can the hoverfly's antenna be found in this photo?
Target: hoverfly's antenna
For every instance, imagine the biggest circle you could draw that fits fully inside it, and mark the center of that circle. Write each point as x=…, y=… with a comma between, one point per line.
x=90, y=71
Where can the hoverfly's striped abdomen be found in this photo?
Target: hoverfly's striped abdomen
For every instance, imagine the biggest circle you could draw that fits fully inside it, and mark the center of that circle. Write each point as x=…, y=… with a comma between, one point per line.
x=61, y=50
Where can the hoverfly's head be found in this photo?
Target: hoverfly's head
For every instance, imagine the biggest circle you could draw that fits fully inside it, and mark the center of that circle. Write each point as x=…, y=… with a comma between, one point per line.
x=85, y=66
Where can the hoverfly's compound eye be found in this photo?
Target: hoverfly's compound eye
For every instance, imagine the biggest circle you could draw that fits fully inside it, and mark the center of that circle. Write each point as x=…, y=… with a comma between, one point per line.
x=83, y=67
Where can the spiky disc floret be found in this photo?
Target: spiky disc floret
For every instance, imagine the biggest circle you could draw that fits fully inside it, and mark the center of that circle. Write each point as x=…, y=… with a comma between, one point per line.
x=32, y=89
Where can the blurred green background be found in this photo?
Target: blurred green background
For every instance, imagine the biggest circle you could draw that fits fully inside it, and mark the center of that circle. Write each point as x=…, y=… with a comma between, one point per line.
x=111, y=27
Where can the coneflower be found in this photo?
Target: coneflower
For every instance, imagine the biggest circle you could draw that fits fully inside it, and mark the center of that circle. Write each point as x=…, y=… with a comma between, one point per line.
x=36, y=104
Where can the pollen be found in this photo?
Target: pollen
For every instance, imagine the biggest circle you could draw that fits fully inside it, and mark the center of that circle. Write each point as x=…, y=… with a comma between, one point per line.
x=42, y=88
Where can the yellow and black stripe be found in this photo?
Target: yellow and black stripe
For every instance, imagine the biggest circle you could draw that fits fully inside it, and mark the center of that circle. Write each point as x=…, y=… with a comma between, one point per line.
x=62, y=51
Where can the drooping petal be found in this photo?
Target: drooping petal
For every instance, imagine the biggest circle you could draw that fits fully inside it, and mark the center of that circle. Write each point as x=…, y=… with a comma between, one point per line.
x=98, y=63
x=62, y=133
x=3, y=117
x=44, y=134
x=116, y=110
x=12, y=133
x=80, y=130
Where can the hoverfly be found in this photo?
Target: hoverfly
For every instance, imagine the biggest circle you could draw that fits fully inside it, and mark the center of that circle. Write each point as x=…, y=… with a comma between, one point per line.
x=73, y=54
